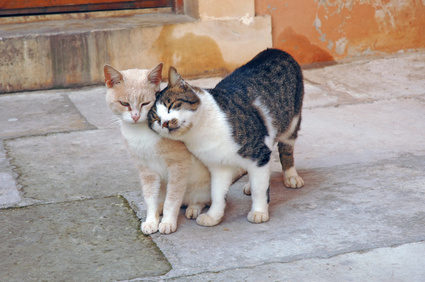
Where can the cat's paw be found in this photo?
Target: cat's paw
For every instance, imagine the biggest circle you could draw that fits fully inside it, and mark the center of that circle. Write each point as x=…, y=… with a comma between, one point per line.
x=293, y=182
x=291, y=179
x=258, y=217
x=247, y=189
x=149, y=227
x=167, y=227
x=193, y=211
x=206, y=220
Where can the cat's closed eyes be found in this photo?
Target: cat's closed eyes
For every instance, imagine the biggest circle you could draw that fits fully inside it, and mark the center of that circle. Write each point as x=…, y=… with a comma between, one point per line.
x=236, y=124
x=170, y=175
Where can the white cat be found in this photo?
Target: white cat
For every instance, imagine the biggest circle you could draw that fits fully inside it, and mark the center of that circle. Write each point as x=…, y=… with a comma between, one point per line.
x=168, y=171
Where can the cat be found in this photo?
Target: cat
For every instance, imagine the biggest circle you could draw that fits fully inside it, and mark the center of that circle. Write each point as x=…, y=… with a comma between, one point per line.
x=236, y=124
x=160, y=161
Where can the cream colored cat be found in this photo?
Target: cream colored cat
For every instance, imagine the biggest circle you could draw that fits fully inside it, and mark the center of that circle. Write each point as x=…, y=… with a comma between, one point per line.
x=169, y=174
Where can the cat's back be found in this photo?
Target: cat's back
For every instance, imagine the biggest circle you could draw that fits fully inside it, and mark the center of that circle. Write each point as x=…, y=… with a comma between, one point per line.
x=267, y=91
x=273, y=79
x=267, y=72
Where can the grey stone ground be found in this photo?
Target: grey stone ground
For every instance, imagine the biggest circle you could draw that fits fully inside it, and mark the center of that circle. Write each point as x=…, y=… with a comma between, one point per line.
x=67, y=187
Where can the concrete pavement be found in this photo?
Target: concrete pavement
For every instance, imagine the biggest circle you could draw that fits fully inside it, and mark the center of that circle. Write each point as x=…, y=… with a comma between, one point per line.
x=70, y=198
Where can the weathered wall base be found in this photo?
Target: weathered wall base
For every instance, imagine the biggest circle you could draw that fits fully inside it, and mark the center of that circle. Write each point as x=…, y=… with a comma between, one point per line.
x=63, y=54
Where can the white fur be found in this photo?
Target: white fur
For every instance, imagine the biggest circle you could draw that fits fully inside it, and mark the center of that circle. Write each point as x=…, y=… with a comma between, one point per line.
x=210, y=140
x=285, y=137
x=142, y=141
x=291, y=178
x=265, y=112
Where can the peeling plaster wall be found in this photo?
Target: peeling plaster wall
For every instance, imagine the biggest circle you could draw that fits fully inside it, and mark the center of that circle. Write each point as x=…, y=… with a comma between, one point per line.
x=329, y=30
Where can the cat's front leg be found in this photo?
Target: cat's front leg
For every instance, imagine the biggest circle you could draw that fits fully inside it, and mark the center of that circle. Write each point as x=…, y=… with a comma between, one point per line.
x=177, y=182
x=259, y=187
x=151, y=186
x=221, y=179
x=150, y=226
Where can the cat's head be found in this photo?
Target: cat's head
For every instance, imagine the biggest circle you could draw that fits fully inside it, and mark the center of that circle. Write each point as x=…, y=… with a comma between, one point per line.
x=131, y=93
x=176, y=107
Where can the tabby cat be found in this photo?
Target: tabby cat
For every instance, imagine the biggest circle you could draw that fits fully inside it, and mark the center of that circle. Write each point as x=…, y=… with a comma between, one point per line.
x=236, y=124
x=168, y=171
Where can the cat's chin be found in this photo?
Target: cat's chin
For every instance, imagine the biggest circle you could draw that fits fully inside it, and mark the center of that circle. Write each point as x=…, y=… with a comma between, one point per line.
x=178, y=131
x=132, y=121
x=173, y=133
x=173, y=130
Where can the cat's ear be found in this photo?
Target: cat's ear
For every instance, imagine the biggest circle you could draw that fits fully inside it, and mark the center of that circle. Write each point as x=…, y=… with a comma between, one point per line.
x=112, y=76
x=155, y=75
x=174, y=78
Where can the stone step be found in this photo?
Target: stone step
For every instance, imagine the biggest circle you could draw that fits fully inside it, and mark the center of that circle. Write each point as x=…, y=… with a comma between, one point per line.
x=72, y=52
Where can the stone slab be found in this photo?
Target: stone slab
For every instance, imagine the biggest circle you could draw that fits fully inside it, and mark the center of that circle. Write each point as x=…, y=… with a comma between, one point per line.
x=71, y=166
x=90, y=240
x=349, y=208
x=398, y=263
x=39, y=113
x=315, y=96
x=360, y=133
x=383, y=78
x=91, y=102
x=9, y=193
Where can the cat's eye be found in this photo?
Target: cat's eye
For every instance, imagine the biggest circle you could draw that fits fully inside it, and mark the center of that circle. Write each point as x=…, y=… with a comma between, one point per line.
x=124, y=104
x=145, y=104
x=175, y=105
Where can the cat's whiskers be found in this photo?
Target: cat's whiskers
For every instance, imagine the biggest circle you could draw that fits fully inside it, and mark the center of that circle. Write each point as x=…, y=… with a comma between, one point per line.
x=186, y=126
x=112, y=123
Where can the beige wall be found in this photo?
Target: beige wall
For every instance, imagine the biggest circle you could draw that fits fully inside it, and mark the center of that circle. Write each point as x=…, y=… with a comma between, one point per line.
x=216, y=9
x=327, y=30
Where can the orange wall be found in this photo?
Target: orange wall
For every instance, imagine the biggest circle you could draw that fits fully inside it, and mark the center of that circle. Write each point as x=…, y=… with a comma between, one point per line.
x=329, y=30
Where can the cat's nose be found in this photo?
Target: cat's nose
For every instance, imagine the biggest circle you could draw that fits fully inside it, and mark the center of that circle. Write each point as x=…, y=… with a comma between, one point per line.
x=135, y=116
x=165, y=124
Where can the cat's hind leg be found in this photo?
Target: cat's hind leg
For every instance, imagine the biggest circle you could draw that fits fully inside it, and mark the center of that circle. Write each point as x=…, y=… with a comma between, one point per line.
x=286, y=143
x=291, y=179
x=198, y=195
x=194, y=210
x=247, y=189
